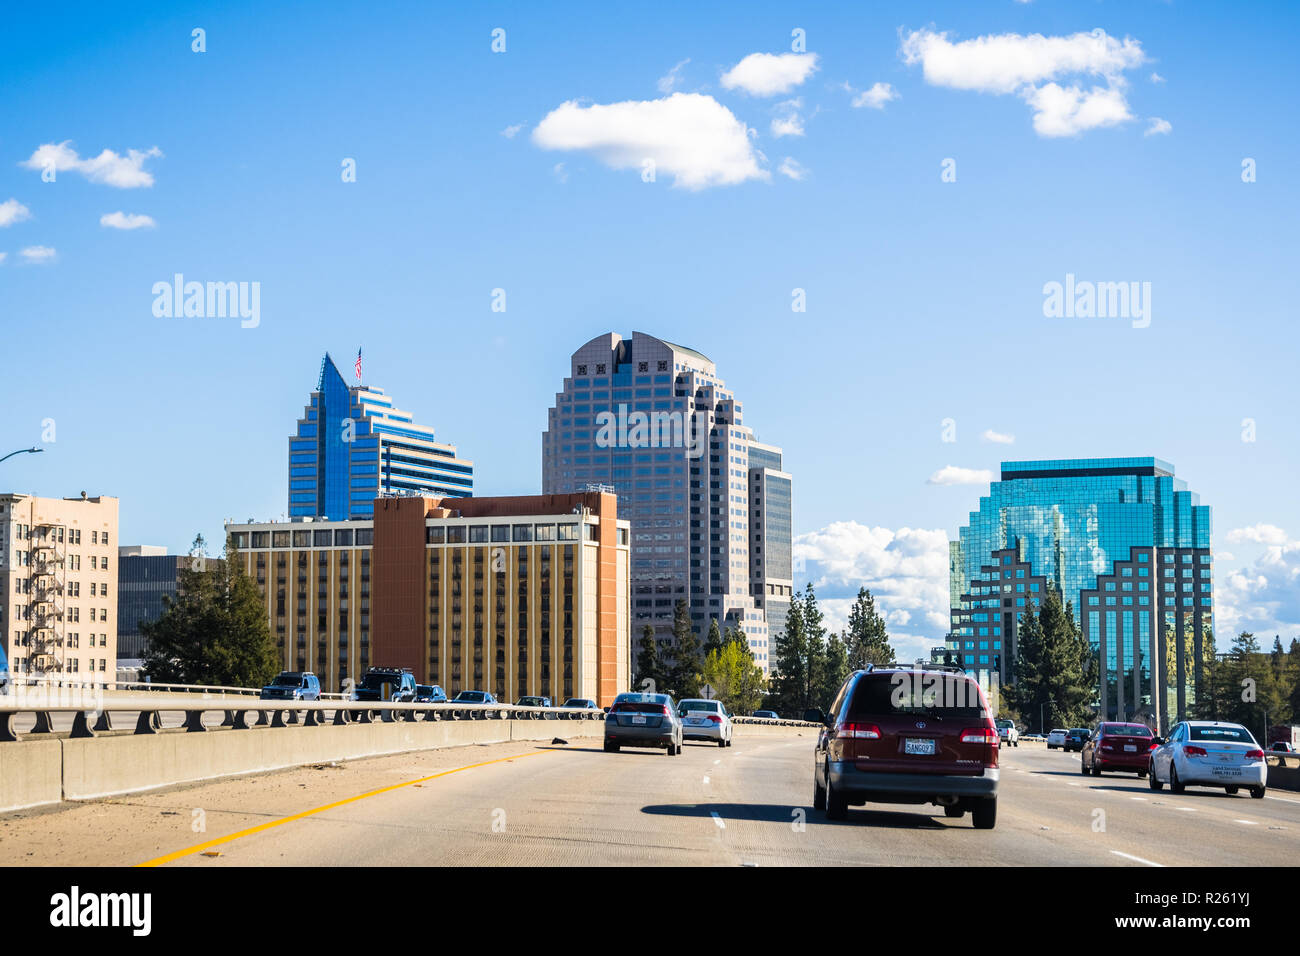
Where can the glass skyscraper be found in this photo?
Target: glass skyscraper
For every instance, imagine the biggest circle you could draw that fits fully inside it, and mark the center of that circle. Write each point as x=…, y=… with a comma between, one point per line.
x=1126, y=543
x=708, y=503
x=353, y=446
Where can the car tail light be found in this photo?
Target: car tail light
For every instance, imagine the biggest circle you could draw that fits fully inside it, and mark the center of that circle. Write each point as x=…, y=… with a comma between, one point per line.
x=979, y=735
x=1107, y=745
x=858, y=731
x=1254, y=755
x=1193, y=751
x=1153, y=746
x=663, y=709
x=714, y=719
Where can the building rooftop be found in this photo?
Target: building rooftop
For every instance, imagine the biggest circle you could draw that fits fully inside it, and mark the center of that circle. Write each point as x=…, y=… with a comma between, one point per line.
x=1084, y=467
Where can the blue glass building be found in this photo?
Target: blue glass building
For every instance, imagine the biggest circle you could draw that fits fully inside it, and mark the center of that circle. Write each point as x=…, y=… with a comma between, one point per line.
x=1126, y=543
x=353, y=446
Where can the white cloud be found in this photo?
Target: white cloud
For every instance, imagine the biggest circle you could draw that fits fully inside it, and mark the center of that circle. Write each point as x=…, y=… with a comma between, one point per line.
x=1069, y=111
x=1157, y=78
x=560, y=173
x=1263, y=598
x=792, y=168
x=124, y=172
x=38, y=254
x=122, y=220
x=1028, y=67
x=1158, y=127
x=788, y=122
x=668, y=82
x=12, y=211
x=953, y=475
x=1267, y=534
x=767, y=74
x=905, y=570
x=876, y=97
x=3, y=256
x=510, y=131
x=998, y=438
x=691, y=136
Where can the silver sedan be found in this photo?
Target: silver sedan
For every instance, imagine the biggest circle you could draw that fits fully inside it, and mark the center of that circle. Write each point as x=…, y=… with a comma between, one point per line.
x=1209, y=753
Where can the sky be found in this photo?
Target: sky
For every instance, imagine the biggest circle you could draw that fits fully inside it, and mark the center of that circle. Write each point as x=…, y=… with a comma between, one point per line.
x=916, y=175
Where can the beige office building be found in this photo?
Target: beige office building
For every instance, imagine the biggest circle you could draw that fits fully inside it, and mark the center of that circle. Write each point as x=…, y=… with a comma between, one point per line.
x=58, y=585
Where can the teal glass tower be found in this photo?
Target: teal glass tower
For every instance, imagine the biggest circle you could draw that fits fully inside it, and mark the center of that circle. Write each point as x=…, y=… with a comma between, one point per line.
x=1125, y=543
x=353, y=446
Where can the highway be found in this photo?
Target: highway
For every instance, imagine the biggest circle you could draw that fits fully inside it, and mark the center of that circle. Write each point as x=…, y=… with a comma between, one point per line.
x=518, y=804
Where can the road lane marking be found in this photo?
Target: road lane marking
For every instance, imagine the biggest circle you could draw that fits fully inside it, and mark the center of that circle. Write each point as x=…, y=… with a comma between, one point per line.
x=706, y=779
x=718, y=761
x=718, y=820
x=1136, y=859
x=159, y=861
x=1138, y=798
x=1249, y=823
x=1186, y=809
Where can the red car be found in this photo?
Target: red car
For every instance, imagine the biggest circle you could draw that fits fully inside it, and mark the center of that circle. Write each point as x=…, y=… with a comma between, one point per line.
x=1116, y=746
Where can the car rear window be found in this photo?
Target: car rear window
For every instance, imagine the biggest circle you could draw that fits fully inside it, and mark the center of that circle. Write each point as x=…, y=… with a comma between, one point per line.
x=1231, y=735
x=1126, y=730
x=944, y=695
x=709, y=705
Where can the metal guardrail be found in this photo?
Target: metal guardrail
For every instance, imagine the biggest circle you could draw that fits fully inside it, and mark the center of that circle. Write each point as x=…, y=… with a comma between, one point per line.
x=270, y=714
x=772, y=722
x=1273, y=757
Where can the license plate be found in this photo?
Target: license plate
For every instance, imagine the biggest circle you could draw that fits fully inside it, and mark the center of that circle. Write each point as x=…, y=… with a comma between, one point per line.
x=638, y=719
x=1226, y=771
x=1130, y=748
x=913, y=745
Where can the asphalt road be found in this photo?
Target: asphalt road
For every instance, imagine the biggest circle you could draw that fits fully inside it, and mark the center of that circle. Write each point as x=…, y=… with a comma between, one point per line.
x=751, y=804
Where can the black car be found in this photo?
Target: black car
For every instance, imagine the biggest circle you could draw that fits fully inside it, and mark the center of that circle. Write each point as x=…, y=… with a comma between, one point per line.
x=386, y=684
x=1075, y=738
x=430, y=694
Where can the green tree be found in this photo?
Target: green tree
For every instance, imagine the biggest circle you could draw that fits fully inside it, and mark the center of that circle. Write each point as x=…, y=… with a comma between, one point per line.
x=1052, y=667
x=714, y=640
x=867, y=639
x=788, y=688
x=215, y=631
x=814, y=622
x=833, y=672
x=684, y=676
x=648, y=666
x=736, y=680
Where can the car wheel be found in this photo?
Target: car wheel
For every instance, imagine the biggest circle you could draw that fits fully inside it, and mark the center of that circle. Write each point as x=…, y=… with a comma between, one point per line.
x=1175, y=786
x=1257, y=793
x=1083, y=767
x=985, y=814
x=1231, y=790
x=819, y=794
x=954, y=812
x=1152, y=781
x=721, y=742
x=837, y=808
x=1141, y=774
x=1096, y=771
x=611, y=747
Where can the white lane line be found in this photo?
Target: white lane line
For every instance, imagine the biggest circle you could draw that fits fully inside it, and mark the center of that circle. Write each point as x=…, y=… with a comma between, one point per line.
x=1143, y=799
x=718, y=761
x=706, y=779
x=718, y=820
x=1249, y=823
x=1072, y=783
x=1186, y=809
x=1135, y=859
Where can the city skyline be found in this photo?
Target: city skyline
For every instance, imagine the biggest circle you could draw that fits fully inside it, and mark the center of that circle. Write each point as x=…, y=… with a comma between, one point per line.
x=464, y=258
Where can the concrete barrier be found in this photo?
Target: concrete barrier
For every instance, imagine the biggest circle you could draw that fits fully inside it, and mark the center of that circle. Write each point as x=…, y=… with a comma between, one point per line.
x=31, y=774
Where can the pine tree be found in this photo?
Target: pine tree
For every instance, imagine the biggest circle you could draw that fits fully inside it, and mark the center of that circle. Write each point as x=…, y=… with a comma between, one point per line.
x=835, y=669
x=790, y=664
x=867, y=639
x=687, y=662
x=814, y=622
x=714, y=641
x=649, y=670
x=215, y=631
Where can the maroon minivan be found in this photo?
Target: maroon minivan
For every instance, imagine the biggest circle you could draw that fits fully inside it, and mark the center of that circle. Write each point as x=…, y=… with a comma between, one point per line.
x=908, y=735
x=1117, y=746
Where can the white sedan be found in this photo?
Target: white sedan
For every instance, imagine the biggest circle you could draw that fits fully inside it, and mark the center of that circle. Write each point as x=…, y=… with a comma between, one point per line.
x=705, y=720
x=1209, y=753
x=1056, y=739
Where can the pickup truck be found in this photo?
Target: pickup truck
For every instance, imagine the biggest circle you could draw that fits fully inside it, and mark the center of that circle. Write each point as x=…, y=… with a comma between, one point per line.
x=1008, y=732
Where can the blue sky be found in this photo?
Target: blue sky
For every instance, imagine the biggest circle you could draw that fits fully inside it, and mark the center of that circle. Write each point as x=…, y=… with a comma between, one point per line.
x=924, y=297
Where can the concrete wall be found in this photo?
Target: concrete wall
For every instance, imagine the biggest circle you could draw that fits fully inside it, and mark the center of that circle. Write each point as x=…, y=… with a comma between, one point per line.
x=31, y=774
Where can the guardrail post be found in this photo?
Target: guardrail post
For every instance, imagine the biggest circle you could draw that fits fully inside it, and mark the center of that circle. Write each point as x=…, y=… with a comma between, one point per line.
x=239, y=719
x=342, y=716
x=292, y=717
x=277, y=718
x=310, y=720
x=80, y=728
x=229, y=719
x=7, y=733
x=42, y=723
x=145, y=723
x=365, y=717
x=104, y=723
x=194, y=722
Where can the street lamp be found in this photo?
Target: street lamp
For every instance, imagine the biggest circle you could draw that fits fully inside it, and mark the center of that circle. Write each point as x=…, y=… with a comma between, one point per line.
x=24, y=451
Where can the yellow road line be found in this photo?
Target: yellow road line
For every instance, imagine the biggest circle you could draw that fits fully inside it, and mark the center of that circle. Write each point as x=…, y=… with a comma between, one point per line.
x=159, y=861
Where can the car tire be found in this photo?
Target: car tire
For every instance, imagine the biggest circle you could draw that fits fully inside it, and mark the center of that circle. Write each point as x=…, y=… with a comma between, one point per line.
x=1083, y=767
x=1175, y=786
x=1096, y=771
x=837, y=808
x=1231, y=791
x=985, y=813
x=1257, y=793
x=722, y=742
x=819, y=794
x=611, y=748
x=1152, y=781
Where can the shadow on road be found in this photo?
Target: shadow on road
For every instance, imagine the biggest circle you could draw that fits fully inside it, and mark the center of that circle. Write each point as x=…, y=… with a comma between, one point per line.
x=780, y=813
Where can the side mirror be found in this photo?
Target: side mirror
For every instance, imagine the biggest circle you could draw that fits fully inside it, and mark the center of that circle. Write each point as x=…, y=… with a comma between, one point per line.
x=814, y=716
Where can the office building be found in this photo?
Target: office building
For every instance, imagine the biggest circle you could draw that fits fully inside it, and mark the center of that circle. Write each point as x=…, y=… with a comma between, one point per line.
x=654, y=422
x=145, y=575
x=352, y=446
x=58, y=585
x=1123, y=541
x=519, y=596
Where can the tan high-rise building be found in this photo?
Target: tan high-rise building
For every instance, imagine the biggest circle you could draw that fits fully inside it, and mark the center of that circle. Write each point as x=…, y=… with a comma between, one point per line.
x=58, y=585
x=519, y=596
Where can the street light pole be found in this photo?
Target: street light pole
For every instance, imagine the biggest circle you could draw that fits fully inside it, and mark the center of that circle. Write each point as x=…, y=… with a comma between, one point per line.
x=24, y=451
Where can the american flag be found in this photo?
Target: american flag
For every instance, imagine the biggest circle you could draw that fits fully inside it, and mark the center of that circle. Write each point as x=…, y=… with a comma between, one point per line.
x=358, y=365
